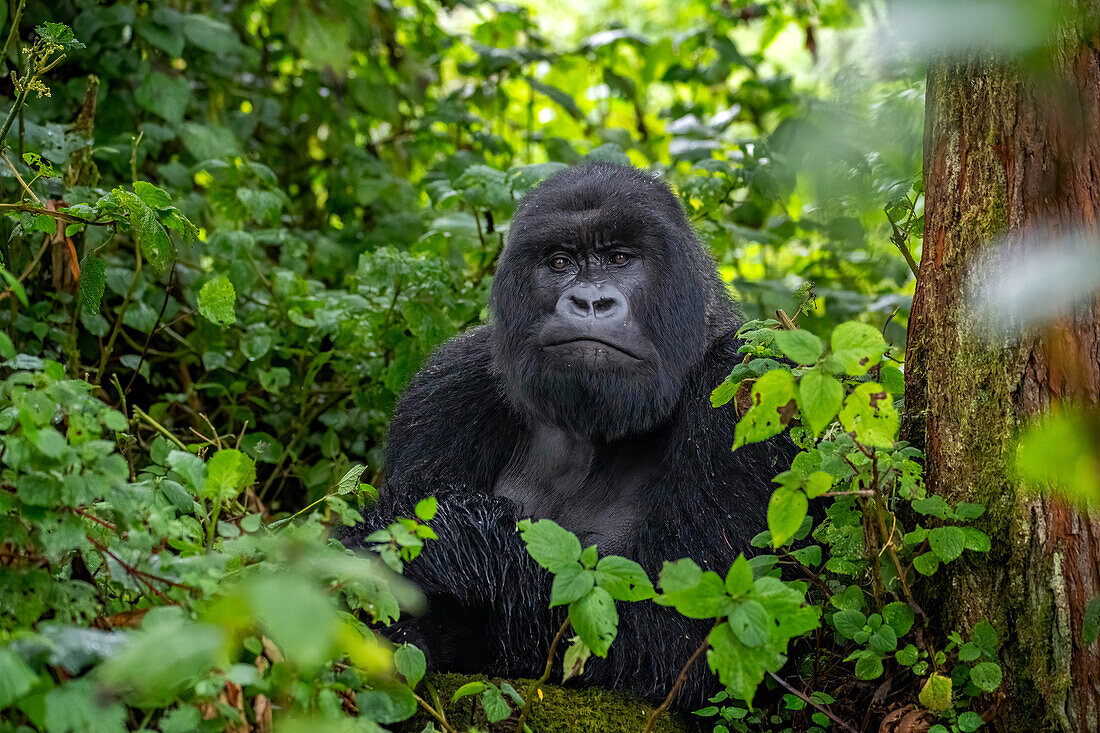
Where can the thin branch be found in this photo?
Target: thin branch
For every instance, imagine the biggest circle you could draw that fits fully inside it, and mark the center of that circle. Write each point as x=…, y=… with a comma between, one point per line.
x=27, y=270
x=680, y=679
x=806, y=698
x=529, y=694
x=435, y=714
x=19, y=178
x=159, y=428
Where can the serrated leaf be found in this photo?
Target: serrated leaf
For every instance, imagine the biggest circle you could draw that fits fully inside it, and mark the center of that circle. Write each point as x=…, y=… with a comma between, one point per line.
x=773, y=400
x=947, y=542
x=899, y=616
x=155, y=245
x=868, y=666
x=857, y=346
x=570, y=584
x=799, y=346
x=576, y=655
x=870, y=416
x=739, y=579
x=819, y=397
x=623, y=579
x=786, y=510
x=228, y=473
x=595, y=620
x=350, y=481
x=153, y=196
x=217, y=299
x=549, y=544
x=93, y=281
x=987, y=676
x=935, y=694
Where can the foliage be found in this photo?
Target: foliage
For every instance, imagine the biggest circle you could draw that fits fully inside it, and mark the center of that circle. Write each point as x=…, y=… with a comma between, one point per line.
x=260, y=217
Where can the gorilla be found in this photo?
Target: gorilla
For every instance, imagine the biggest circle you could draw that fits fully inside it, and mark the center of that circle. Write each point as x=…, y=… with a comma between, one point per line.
x=585, y=400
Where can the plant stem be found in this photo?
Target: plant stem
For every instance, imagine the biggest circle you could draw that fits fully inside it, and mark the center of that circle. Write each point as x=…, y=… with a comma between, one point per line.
x=806, y=698
x=12, y=35
x=211, y=528
x=18, y=177
x=159, y=428
x=435, y=714
x=529, y=695
x=118, y=321
x=680, y=679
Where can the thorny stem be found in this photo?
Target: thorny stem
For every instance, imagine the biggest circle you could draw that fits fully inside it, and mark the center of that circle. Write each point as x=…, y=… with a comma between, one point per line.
x=806, y=698
x=680, y=679
x=529, y=694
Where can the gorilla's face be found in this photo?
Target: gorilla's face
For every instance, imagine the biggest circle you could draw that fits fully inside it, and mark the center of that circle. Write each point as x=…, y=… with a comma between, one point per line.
x=601, y=298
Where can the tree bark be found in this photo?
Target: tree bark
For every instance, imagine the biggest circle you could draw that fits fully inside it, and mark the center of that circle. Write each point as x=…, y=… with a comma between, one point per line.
x=1011, y=160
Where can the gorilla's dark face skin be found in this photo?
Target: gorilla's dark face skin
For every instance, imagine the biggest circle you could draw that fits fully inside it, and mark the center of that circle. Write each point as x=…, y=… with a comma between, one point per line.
x=595, y=334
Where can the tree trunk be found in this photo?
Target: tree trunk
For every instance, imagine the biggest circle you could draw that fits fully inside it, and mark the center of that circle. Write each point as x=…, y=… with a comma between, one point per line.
x=1011, y=160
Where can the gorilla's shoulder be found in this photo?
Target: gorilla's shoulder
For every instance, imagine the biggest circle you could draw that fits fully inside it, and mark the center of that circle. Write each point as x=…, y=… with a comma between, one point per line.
x=452, y=412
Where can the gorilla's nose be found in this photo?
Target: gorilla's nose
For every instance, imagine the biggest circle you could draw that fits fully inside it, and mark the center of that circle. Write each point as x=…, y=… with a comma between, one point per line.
x=584, y=301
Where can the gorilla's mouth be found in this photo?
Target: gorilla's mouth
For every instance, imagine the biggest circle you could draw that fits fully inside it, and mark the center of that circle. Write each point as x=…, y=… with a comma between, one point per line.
x=590, y=342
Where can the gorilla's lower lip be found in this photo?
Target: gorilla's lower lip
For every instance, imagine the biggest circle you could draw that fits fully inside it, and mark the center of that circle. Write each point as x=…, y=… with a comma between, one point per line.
x=595, y=341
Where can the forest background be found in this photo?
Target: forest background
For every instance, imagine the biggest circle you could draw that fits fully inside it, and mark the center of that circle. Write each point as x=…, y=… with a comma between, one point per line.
x=234, y=231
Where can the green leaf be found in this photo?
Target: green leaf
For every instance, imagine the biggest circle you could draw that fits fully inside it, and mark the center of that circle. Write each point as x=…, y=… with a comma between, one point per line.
x=740, y=668
x=987, y=676
x=926, y=564
x=819, y=397
x=858, y=347
x=426, y=508
x=217, y=299
x=155, y=245
x=985, y=636
x=900, y=617
x=786, y=510
x=907, y=656
x=849, y=623
x=551, y=546
x=773, y=402
x=154, y=197
x=350, y=480
x=869, y=415
x=947, y=542
x=570, y=584
x=562, y=98
x=691, y=591
x=595, y=620
x=211, y=35
x=970, y=721
x=976, y=540
x=58, y=34
x=623, y=579
x=165, y=96
x=7, y=348
x=800, y=346
x=16, y=678
x=228, y=473
x=93, y=280
x=892, y=379
x=739, y=580
x=868, y=666
x=495, y=706
x=936, y=693
x=410, y=662
x=751, y=623
x=470, y=688
x=575, y=658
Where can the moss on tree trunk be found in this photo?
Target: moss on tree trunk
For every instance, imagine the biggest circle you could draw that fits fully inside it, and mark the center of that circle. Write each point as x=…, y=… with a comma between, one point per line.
x=1011, y=160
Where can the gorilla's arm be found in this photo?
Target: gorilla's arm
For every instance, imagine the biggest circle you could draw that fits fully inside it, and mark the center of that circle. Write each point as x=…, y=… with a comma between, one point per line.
x=451, y=435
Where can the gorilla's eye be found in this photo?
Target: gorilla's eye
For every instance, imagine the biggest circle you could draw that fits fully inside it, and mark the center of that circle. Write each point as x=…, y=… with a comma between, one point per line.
x=619, y=258
x=559, y=262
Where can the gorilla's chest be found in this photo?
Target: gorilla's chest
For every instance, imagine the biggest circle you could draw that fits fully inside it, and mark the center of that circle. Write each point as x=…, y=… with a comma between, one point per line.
x=598, y=492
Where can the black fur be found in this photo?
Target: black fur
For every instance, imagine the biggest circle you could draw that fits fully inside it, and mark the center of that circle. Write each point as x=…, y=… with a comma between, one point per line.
x=627, y=453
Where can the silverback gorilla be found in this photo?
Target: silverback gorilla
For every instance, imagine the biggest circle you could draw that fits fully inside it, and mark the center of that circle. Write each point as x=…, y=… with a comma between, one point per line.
x=586, y=401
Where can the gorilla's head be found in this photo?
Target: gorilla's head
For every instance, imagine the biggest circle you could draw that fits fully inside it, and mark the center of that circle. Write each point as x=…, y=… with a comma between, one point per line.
x=605, y=301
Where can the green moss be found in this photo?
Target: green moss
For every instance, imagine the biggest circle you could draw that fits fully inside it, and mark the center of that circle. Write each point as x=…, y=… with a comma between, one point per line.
x=561, y=710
